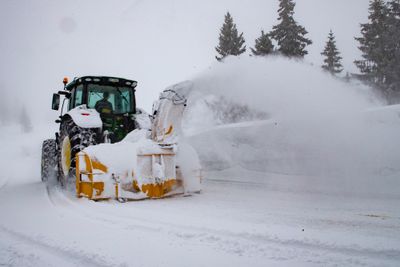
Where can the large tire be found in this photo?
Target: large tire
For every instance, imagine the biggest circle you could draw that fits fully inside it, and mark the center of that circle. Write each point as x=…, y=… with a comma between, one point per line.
x=73, y=139
x=49, y=159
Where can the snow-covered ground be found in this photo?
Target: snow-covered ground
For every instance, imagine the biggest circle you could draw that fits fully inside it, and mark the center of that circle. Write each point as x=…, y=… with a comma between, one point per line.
x=314, y=183
x=308, y=175
x=242, y=218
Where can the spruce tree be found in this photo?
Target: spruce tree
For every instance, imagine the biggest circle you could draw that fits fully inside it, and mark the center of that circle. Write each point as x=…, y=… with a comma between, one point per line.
x=288, y=34
x=230, y=42
x=392, y=41
x=332, y=56
x=372, y=44
x=263, y=45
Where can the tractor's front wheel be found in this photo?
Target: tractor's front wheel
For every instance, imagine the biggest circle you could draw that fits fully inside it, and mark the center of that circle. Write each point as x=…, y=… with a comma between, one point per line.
x=72, y=140
x=49, y=159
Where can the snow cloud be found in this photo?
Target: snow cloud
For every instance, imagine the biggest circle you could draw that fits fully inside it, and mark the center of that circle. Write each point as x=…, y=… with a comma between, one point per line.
x=318, y=124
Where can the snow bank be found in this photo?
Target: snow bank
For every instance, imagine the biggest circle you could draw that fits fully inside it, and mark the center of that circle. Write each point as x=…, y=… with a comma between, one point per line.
x=314, y=124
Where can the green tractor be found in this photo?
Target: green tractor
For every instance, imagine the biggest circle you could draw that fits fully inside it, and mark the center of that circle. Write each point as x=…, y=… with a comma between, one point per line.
x=94, y=109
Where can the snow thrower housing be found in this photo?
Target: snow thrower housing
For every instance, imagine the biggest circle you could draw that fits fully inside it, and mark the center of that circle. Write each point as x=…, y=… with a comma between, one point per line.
x=113, y=149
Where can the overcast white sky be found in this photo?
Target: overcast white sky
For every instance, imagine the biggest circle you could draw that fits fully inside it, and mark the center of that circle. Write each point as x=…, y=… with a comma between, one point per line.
x=155, y=42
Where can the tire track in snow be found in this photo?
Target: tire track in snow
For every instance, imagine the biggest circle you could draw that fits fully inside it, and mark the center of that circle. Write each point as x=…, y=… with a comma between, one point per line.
x=231, y=241
x=59, y=199
x=65, y=254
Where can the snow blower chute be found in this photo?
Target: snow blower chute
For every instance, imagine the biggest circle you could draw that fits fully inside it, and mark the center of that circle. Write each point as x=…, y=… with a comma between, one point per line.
x=137, y=156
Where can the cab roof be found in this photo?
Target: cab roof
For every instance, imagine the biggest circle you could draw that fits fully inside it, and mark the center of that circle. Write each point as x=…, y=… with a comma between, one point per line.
x=106, y=80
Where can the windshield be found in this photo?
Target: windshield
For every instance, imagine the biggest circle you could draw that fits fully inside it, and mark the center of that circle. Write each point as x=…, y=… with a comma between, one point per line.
x=120, y=99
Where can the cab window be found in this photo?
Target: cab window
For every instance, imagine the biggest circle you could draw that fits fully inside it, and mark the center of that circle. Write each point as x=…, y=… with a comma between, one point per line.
x=95, y=94
x=76, y=97
x=120, y=98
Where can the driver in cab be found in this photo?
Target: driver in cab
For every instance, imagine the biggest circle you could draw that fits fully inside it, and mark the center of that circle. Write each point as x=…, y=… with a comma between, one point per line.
x=103, y=105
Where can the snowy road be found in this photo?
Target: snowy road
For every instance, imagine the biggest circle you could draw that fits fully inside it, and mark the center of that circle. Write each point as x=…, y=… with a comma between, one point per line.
x=233, y=222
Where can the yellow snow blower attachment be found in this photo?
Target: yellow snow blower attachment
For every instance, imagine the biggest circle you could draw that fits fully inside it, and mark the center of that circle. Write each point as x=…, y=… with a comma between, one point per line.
x=157, y=177
x=145, y=164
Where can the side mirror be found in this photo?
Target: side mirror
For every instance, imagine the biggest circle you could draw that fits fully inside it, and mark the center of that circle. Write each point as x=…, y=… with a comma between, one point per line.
x=56, y=102
x=67, y=94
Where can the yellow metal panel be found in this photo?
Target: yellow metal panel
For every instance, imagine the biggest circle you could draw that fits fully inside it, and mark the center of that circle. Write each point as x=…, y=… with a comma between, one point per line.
x=136, y=186
x=169, y=131
x=158, y=190
x=99, y=166
x=99, y=187
x=91, y=190
x=88, y=189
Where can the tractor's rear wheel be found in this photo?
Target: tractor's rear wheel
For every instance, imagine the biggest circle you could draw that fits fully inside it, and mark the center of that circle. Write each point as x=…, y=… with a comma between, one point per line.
x=49, y=159
x=72, y=140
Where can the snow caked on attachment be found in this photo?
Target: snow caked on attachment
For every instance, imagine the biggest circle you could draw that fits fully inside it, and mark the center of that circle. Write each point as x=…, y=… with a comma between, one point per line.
x=145, y=164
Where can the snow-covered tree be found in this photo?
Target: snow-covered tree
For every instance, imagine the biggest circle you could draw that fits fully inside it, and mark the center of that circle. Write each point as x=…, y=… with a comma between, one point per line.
x=263, y=45
x=289, y=35
x=332, y=56
x=230, y=42
x=392, y=41
x=380, y=47
x=372, y=44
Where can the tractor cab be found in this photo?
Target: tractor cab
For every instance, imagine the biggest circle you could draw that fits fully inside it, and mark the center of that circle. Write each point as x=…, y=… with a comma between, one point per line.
x=90, y=91
x=113, y=98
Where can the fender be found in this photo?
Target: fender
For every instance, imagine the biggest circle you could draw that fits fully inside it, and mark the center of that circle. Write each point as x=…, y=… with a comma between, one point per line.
x=84, y=117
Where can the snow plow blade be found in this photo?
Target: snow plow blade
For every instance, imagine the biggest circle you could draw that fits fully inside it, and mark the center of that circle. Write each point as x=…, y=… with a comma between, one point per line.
x=146, y=164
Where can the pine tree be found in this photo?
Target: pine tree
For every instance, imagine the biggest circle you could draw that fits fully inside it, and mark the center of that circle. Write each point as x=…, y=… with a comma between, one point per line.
x=230, y=42
x=332, y=56
x=392, y=41
x=288, y=34
x=263, y=45
x=372, y=44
